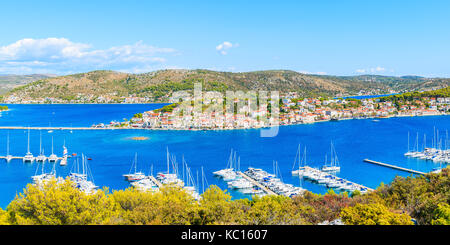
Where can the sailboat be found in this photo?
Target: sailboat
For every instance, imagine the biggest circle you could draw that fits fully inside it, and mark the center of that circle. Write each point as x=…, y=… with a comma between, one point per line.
x=43, y=177
x=65, y=155
x=81, y=179
x=28, y=158
x=41, y=157
x=301, y=163
x=170, y=178
x=190, y=183
x=229, y=169
x=136, y=175
x=52, y=158
x=409, y=153
x=8, y=156
x=334, y=162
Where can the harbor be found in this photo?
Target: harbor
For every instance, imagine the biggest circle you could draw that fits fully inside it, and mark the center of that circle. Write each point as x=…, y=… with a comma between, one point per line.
x=330, y=180
x=185, y=180
x=255, y=181
x=113, y=151
x=439, y=152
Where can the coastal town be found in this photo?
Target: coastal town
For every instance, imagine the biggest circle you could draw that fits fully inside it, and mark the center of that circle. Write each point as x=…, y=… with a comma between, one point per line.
x=292, y=110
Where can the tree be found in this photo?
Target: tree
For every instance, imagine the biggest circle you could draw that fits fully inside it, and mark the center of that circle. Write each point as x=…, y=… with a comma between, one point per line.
x=170, y=206
x=216, y=208
x=373, y=214
x=273, y=210
x=3, y=217
x=442, y=215
x=61, y=204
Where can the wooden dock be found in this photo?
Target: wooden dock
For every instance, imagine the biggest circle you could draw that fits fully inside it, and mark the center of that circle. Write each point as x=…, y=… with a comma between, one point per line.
x=394, y=167
x=307, y=168
x=265, y=189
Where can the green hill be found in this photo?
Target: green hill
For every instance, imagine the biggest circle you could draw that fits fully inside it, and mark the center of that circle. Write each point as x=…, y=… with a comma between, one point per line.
x=158, y=85
x=9, y=82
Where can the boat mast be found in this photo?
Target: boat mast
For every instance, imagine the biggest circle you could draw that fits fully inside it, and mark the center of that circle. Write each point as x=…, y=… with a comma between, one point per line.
x=408, y=141
x=28, y=147
x=203, y=181
x=135, y=163
x=297, y=157
x=52, y=145
x=7, y=145
x=168, y=167
x=417, y=142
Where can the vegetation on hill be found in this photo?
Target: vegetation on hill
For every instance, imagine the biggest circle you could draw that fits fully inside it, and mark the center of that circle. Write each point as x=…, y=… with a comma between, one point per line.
x=410, y=96
x=9, y=82
x=426, y=199
x=159, y=85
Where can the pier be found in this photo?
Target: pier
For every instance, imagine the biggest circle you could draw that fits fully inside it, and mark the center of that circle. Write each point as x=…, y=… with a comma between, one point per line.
x=319, y=172
x=256, y=183
x=57, y=128
x=21, y=158
x=394, y=167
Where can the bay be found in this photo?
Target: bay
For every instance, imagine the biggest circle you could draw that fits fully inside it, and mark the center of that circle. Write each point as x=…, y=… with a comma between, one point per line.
x=112, y=151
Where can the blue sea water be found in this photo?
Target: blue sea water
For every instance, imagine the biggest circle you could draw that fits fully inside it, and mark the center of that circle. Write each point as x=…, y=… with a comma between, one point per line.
x=112, y=152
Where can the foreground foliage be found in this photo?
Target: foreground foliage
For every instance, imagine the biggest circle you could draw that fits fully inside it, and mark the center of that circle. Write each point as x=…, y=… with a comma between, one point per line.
x=426, y=199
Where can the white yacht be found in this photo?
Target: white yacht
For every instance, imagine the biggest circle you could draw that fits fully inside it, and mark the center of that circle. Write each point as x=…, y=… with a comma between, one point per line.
x=136, y=175
x=334, y=163
x=41, y=157
x=229, y=171
x=301, y=163
x=28, y=158
x=83, y=179
x=8, y=156
x=63, y=161
x=53, y=158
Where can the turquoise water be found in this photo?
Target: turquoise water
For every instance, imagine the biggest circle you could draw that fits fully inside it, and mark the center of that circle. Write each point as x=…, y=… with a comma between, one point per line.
x=112, y=152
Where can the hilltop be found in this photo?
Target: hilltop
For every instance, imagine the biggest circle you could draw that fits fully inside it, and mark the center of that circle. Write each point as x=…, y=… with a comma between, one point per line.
x=113, y=87
x=9, y=82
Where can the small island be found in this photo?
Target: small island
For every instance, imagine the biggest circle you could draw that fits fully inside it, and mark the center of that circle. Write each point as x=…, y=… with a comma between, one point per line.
x=140, y=138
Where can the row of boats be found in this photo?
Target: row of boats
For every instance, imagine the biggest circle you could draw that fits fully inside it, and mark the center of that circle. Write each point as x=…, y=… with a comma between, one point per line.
x=183, y=178
x=80, y=175
x=41, y=158
x=273, y=183
x=329, y=180
x=254, y=181
x=438, y=153
x=327, y=174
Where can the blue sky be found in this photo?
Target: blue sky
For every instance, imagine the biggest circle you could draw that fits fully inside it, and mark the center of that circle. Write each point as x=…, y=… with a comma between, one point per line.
x=321, y=37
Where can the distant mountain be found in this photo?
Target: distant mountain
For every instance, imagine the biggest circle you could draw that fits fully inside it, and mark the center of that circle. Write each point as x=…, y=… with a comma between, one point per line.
x=9, y=82
x=160, y=84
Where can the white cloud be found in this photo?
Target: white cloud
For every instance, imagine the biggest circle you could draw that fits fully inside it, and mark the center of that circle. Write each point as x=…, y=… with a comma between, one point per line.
x=223, y=47
x=377, y=69
x=60, y=55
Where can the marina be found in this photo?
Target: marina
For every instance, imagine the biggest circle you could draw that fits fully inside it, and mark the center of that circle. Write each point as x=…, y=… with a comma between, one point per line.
x=113, y=151
x=150, y=183
x=255, y=181
x=329, y=180
x=439, y=152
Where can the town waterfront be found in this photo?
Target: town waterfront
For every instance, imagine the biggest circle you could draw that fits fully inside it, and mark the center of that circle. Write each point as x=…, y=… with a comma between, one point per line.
x=112, y=152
